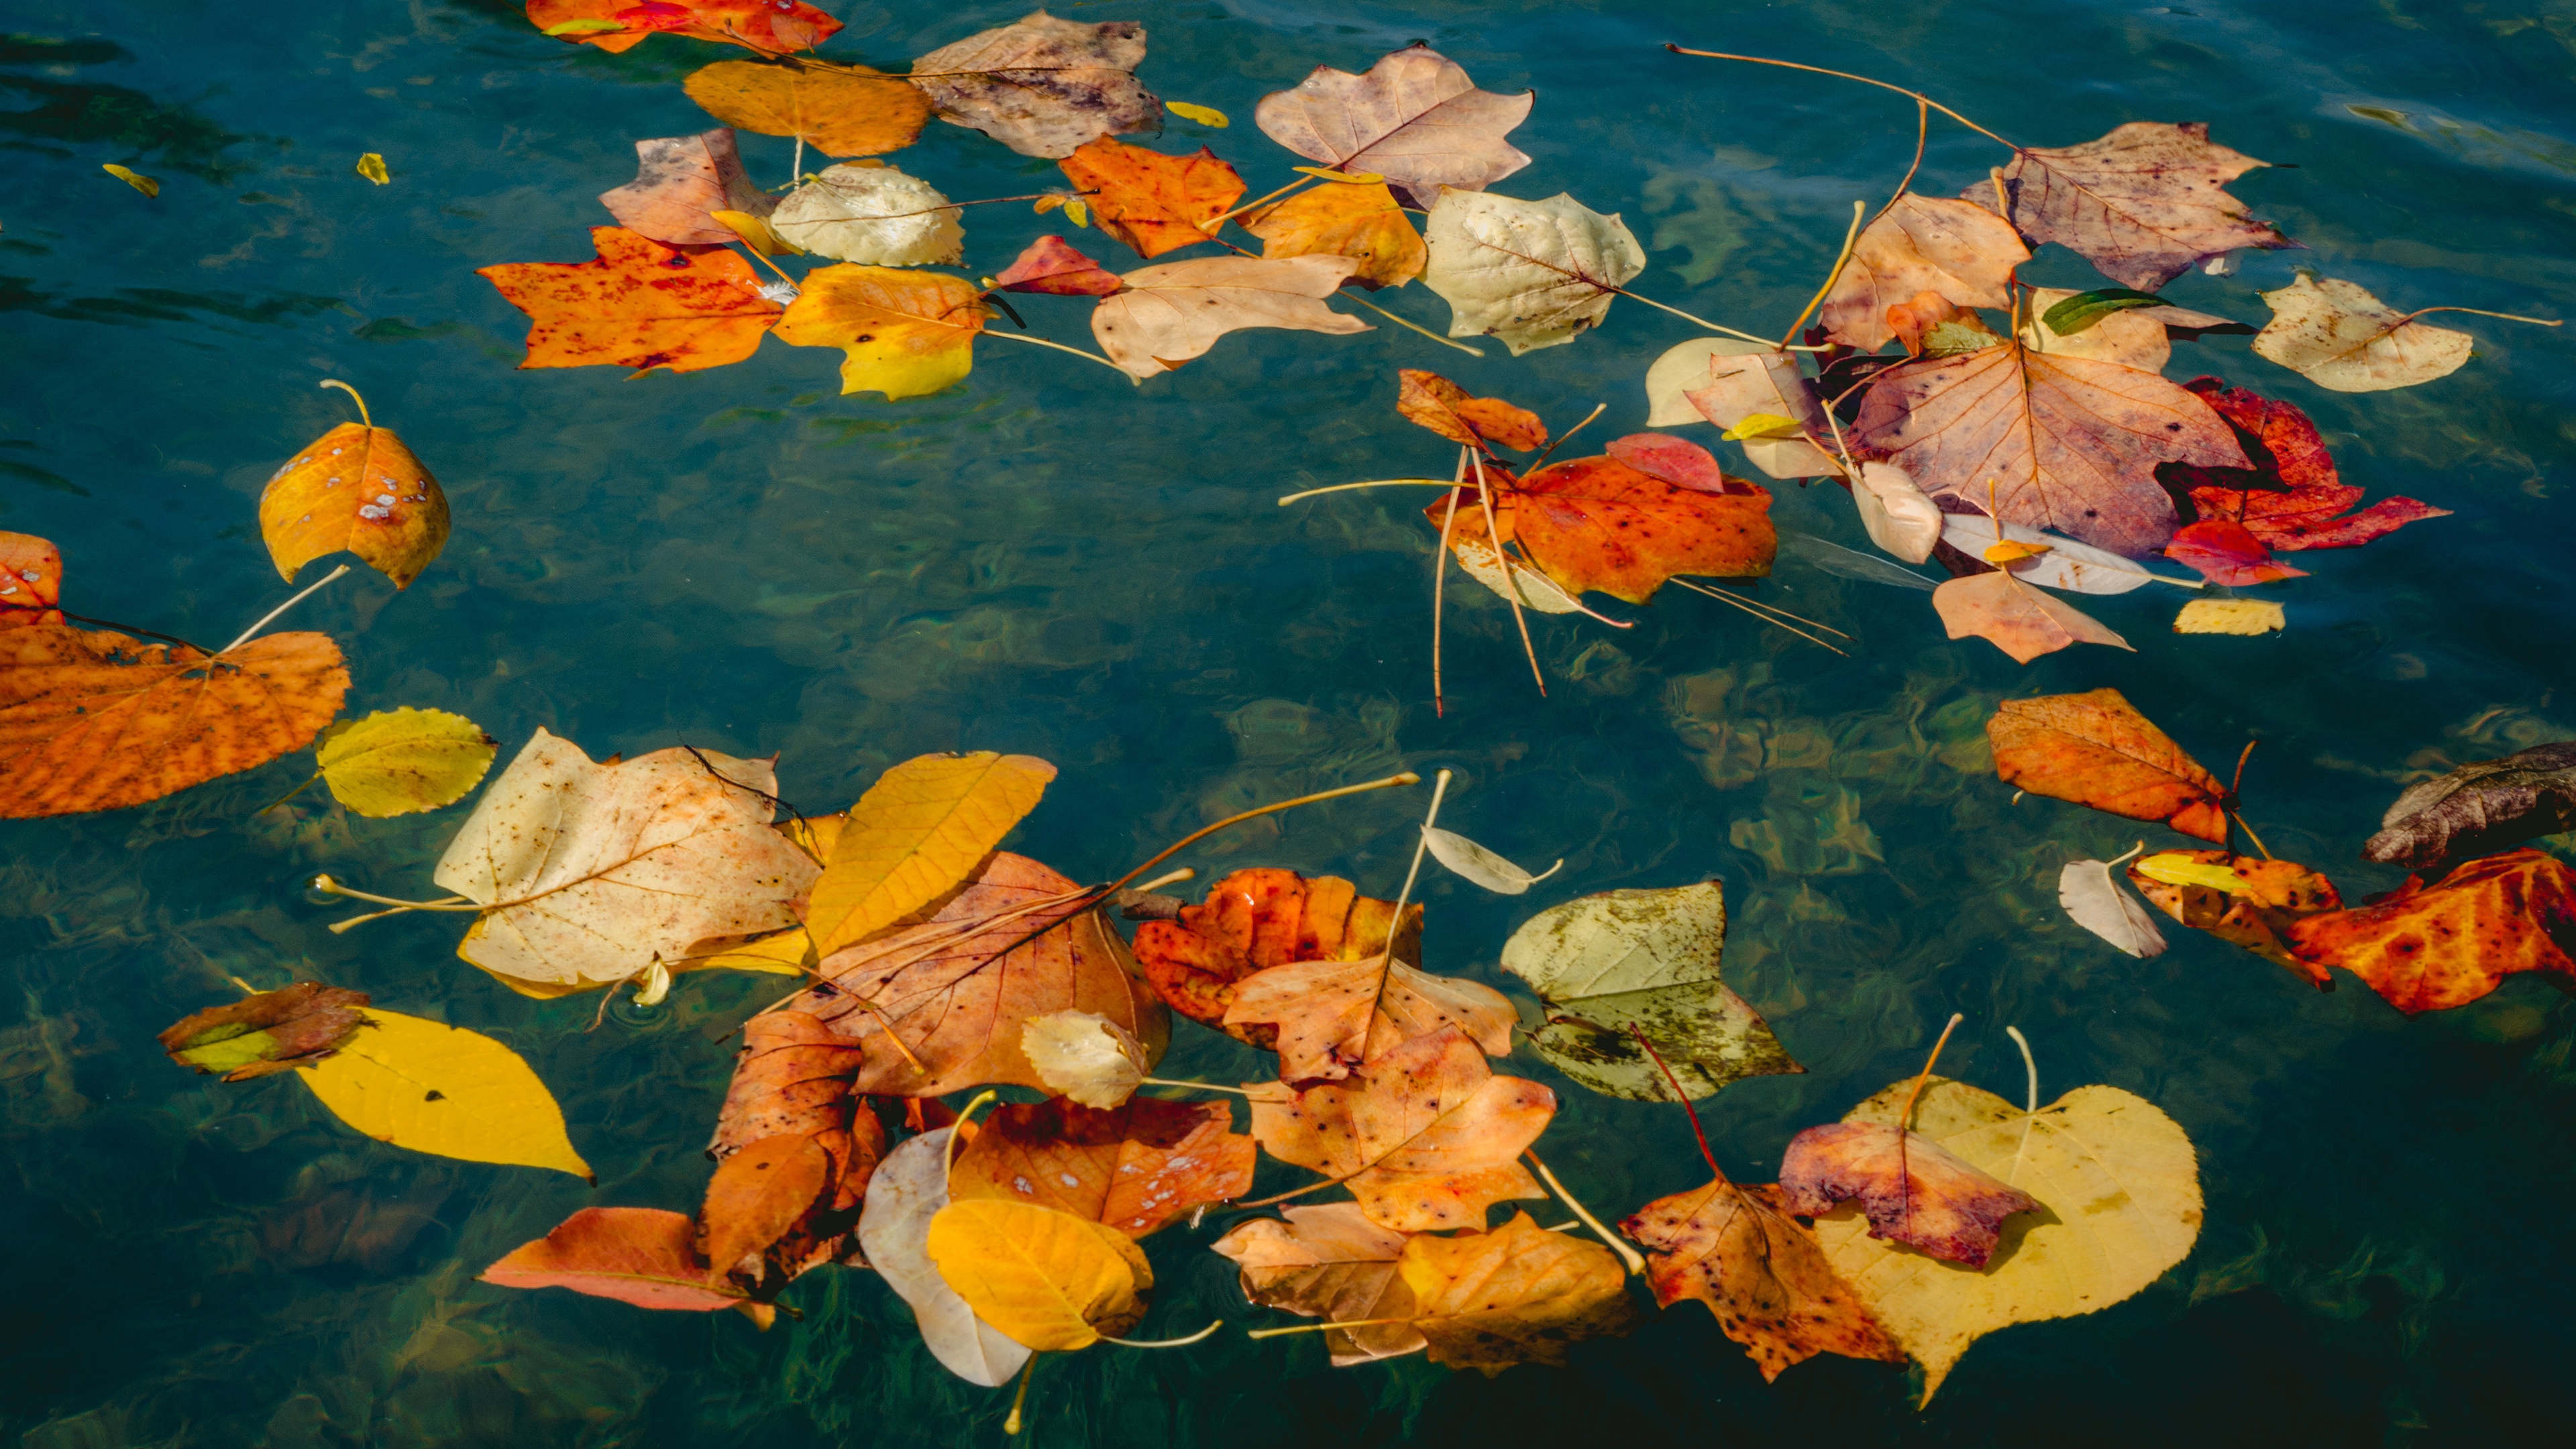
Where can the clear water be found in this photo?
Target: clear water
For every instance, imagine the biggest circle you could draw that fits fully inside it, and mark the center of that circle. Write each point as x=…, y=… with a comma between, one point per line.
x=1048, y=560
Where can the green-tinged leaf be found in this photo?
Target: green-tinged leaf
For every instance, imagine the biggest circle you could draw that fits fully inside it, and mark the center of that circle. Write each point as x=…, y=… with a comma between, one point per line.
x=399, y=761
x=2082, y=310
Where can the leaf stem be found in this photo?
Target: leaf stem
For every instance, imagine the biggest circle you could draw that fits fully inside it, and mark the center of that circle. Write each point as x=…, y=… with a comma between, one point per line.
x=271, y=616
x=329, y=887
x=289, y=795
x=1846, y=75
x=1541, y=460
x=1300, y=1192
x=1842, y=259
x=2479, y=312
x=1403, y=777
x=1680, y=1096
x=1439, y=792
x=1213, y=222
x=364, y=419
x=1494, y=531
x=1440, y=584
x=1195, y=1086
x=1076, y=351
x=1925, y=1075
x=1322, y=1327
x=1020, y=1400
x=957, y=1130
x=1627, y=1255
x=1199, y=1336
x=1702, y=321
x=1411, y=325
x=1376, y=483
x=1747, y=607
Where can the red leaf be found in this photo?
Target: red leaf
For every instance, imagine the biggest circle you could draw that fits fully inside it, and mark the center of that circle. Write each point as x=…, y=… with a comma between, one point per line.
x=2228, y=553
x=1677, y=461
x=2289, y=498
x=31, y=580
x=642, y=1256
x=1051, y=266
x=2426, y=948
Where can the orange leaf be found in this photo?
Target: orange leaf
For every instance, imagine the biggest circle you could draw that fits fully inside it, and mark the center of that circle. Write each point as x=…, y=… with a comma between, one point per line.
x=2145, y=203
x=1334, y=1016
x=1738, y=1250
x=791, y=1083
x=757, y=1195
x=1913, y=1190
x=1134, y=1167
x=1051, y=266
x=1148, y=200
x=1343, y=220
x=1518, y=1294
x=634, y=1255
x=2228, y=553
x=771, y=26
x=2428, y=948
x=355, y=488
x=640, y=304
x=1256, y=919
x=2096, y=749
x=1426, y=1137
x=2022, y=621
x=1600, y=523
x=1434, y=402
x=680, y=183
x=902, y=333
x=2257, y=915
x=97, y=720
x=31, y=580
x=1963, y=253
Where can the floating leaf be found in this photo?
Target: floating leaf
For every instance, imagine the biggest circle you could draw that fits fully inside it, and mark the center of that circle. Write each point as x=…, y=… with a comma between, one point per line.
x=2096, y=749
x=1727, y=382
x=372, y=167
x=1052, y=267
x=397, y=762
x=2076, y=313
x=2340, y=337
x=1898, y=517
x=1912, y=1190
x=1962, y=252
x=758, y=1195
x=1601, y=523
x=274, y=1031
x=791, y=1084
x=1618, y=963
x=1738, y=1250
x=1360, y=222
x=680, y=183
x=920, y=829
x=2093, y=900
x=641, y=1256
x=2291, y=495
x=131, y=177
x=2429, y=948
x=774, y=26
x=2250, y=903
x=2227, y=552
x=355, y=488
x=844, y=111
x=1152, y=202
x=425, y=1086
x=1257, y=919
x=872, y=214
x=1533, y=273
x=2145, y=203
x=1168, y=314
x=1204, y=115
x=894, y=1232
x=1135, y=1167
x=906, y=334
x=2230, y=616
x=2047, y=560
x=1414, y=119
x=1478, y=864
x=1333, y=1016
x=1329, y=1262
x=1042, y=86
x=1049, y=1280
x=31, y=580
x=2480, y=808
x=1084, y=1056
x=640, y=304
x=1518, y=1294
x=2016, y=618
x=1429, y=400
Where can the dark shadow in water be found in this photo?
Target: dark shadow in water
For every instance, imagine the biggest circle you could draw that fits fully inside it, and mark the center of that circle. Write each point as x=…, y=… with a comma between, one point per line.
x=136, y=305
x=70, y=113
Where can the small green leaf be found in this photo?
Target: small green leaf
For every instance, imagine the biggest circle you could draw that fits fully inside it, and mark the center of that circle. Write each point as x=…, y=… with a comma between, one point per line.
x=230, y=1053
x=2084, y=309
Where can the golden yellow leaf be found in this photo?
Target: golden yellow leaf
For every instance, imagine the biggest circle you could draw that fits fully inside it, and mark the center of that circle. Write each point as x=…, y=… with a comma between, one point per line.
x=1051, y=1281
x=133, y=178
x=395, y=762
x=1204, y=115
x=907, y=334
x=780, y=953
x=2013, y=551
x=917, y=831
x=356, y=488
x=372, y=167
x=1763, y=425
x=2230, y=616
x=1359, y=222
x=430, y=1087
x=2178, y=867
x=840, y=112
x=757, y=234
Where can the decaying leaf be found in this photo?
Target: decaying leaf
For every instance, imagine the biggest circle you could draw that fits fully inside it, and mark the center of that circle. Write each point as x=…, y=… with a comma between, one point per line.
x=894, y=1232
x=2016, y=618
x=2230, y=616
x=2119, y=1189
x=1329, y=1262
x=757, y=1195
x=791, y=1085
x=1738, y=1250
x=2096, y=749
x=639, y=304
x=1168, y=314
x=1425, y=1136
x=1152, y=202
x=2093, y=900
x=1344, y=219
x=1912, y=1190
x=2291, y=495
x=2431, y=947
x=1253, y=920
x=1612, y=965
x=1962, y=251
x=1532, y=273
x=920, y=829
x=589, y=873
x=1050, y=1281
x=1334, y=1016
x=642, y=1256
x=906, y=334
x=396, y=762
x=1052, y=267
x=355, y=488
x=2145, y=203
x=2250, y=903
x=772, y=26
x=680, y=183
x=2480, y=808
x=871, y=214
x=842, y=111
x=1484, y=867
x=1414, y=118
x=2340, y=337
x=274, y=1031
x=1738, y=382
x=1085, y=1056
x=31, y=580
x=2227, y=552
x=1429, y=400
x=1135, y=1167
x=1042, y=86
x=425, y=1086
x=1602, y=523
x=1518, y=1294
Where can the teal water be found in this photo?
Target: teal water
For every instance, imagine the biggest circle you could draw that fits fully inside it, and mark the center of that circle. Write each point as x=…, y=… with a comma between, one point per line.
x=1047, y=560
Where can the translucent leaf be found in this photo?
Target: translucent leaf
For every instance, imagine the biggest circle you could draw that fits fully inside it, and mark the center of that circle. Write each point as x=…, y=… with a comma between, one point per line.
x=1480, y=865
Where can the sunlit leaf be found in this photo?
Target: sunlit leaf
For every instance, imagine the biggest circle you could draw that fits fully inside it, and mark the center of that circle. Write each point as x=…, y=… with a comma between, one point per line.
x=871, y=214
x=852, y=111
x=1049, y=1280
x=903, y=333
x=2145, y=203
x=1168, y=314
x=396, y=762
x=2096, y=749
x=894, y=1231
x=641, y=1256
x=429, y=1087
x=357, y=489
x=1043, y=86
x=639, y=304
x=1415, y=120
x=1532, y=273
x=680, y=183
x=2338, y=336
x=1152, y=202
x=920, y=829
x=131, y=177
x=2230, y=616
x=372, y=167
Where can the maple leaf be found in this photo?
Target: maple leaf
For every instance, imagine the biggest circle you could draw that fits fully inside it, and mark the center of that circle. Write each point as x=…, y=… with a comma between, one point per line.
x=844, y=111
x=1429, y=400
x=639, y=304
x=1600, y=523
x=1152, y=202
x=773, y=26
x=1414, y=118
x=2227, y=552
x=2290, y=495
x=2145, y=203
x=871, y=214
x=1533, y=273
x=273, y=1031
x=1517, y=1294
x=2016, y=618
x=2432, y=947
x=1912, y=1190
x=1165, y=315
x=1134, y=1168
x=2096, y=749
x=1426, y=1136
x=2250, y=903
x=905, y=334
x=680, y=183
x=355, y=488
x=1738, y=1250
x=2479, y=808
x=2340, y=337
x=1052, y=267
x=1329, y=1262
x=643, y=1256
x=1963, y=253
x=588, y=874
x=2065, y=443
x=31, y=580
x=1344, y=219
x=1256, y=919
x=1042, y=86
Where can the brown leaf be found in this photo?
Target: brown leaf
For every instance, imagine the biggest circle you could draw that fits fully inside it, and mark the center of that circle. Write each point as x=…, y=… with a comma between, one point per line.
x=1151, y=201
x=639, y=304
x=355, y=488
x=680, y=183
x=1414, y=118
x=1760, y=1271
x=2429, y=948
x=757, y=1195
x=1429, y=400
x=2096, y=749
x=270, y=1032
x=791, y=1083
x=1329, y=1262
x=1344, y=220
x=1332, y=1016
x=1426, y=1137
x=2022, y=621
x=642, y=1256
x=2481, y=807
x=2144, y=203
x=1042, y=86
x=1169, y=314
x=1134, y=1167
x=1913, y=1190
x=1964, y=253
x=2338, y=336
x=792, y=1078
x=2255, y=912
x=1051, y=266
x=1256, y=919
x=1518, y=1294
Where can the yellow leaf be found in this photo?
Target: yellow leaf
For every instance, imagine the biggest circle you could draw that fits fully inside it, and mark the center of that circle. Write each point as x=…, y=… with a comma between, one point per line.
x=757, y=234
x=429, y=1087
x=781, y=953
x=1359, y=222
x=1763, y=425
x=1356, y=178
x=904, y=334
x=1204, y=115
x=1049, y=1280
x=135, y=179
x=372, y=167
x=1048, y=203
x=2176, y=867
x=355, y=488
x=2229, y=616
x=852, y=111
x=920, y=828
x=395, y=762
x=2013, y=550
x=1077, y=212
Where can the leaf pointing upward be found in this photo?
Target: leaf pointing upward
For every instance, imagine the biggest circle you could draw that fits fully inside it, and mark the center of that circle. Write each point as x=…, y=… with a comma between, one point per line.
x=917, y=831
x=1414, y=118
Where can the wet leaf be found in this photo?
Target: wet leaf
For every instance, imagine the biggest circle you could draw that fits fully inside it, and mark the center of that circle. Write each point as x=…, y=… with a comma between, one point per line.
x=1518, y=1294
x=1048, y=1280
x=2342, y=338
x=397, y=762
x=1912, y=1190
x=2291, y=495
x=919, y=830
x=1727, y=382
x=680, y=183
x=791, y=1083
x=1256, y=919
x=1425, y=1136
x=372, y=167
x=1329, y=1262
x=1963, y=252
x=871, y=214
x=1152, y=202
x=1052, y=267
x=2432, y=947
x=1084, y=1056
x=1341, y=220
x=641, y=1256
x=2145, y=203
x=2051, y=562
x=2096, y=749
x=149, y=186
x=2246, y=902
x=2119, y=1189
x=2093, y=900
x=2111, y=325
x=589, y=873
x=1042, y=86
x=1901, y=519
x=639, y=304
x=1738, y=1250
x=357, y=489
x=1620, y=962
x=839, y=112
x=2227, y=552
x=1429, y=400
x=1135, y=1167
x=2230, y=616
x=274, y=1031
x=31, y=580
x=425, y=1086
x=1171, y=313
x=2074, y=313
x=771, y=26
x=1203, y=115
x=1414, y=119
x=1333, y=1016
x=894, y=1231
x=1532, y=273
x=2480, y=808
x=1600, y=523
x=2016, y=618
x=1478, y=864
x=757, y=1195
x=906, y=334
